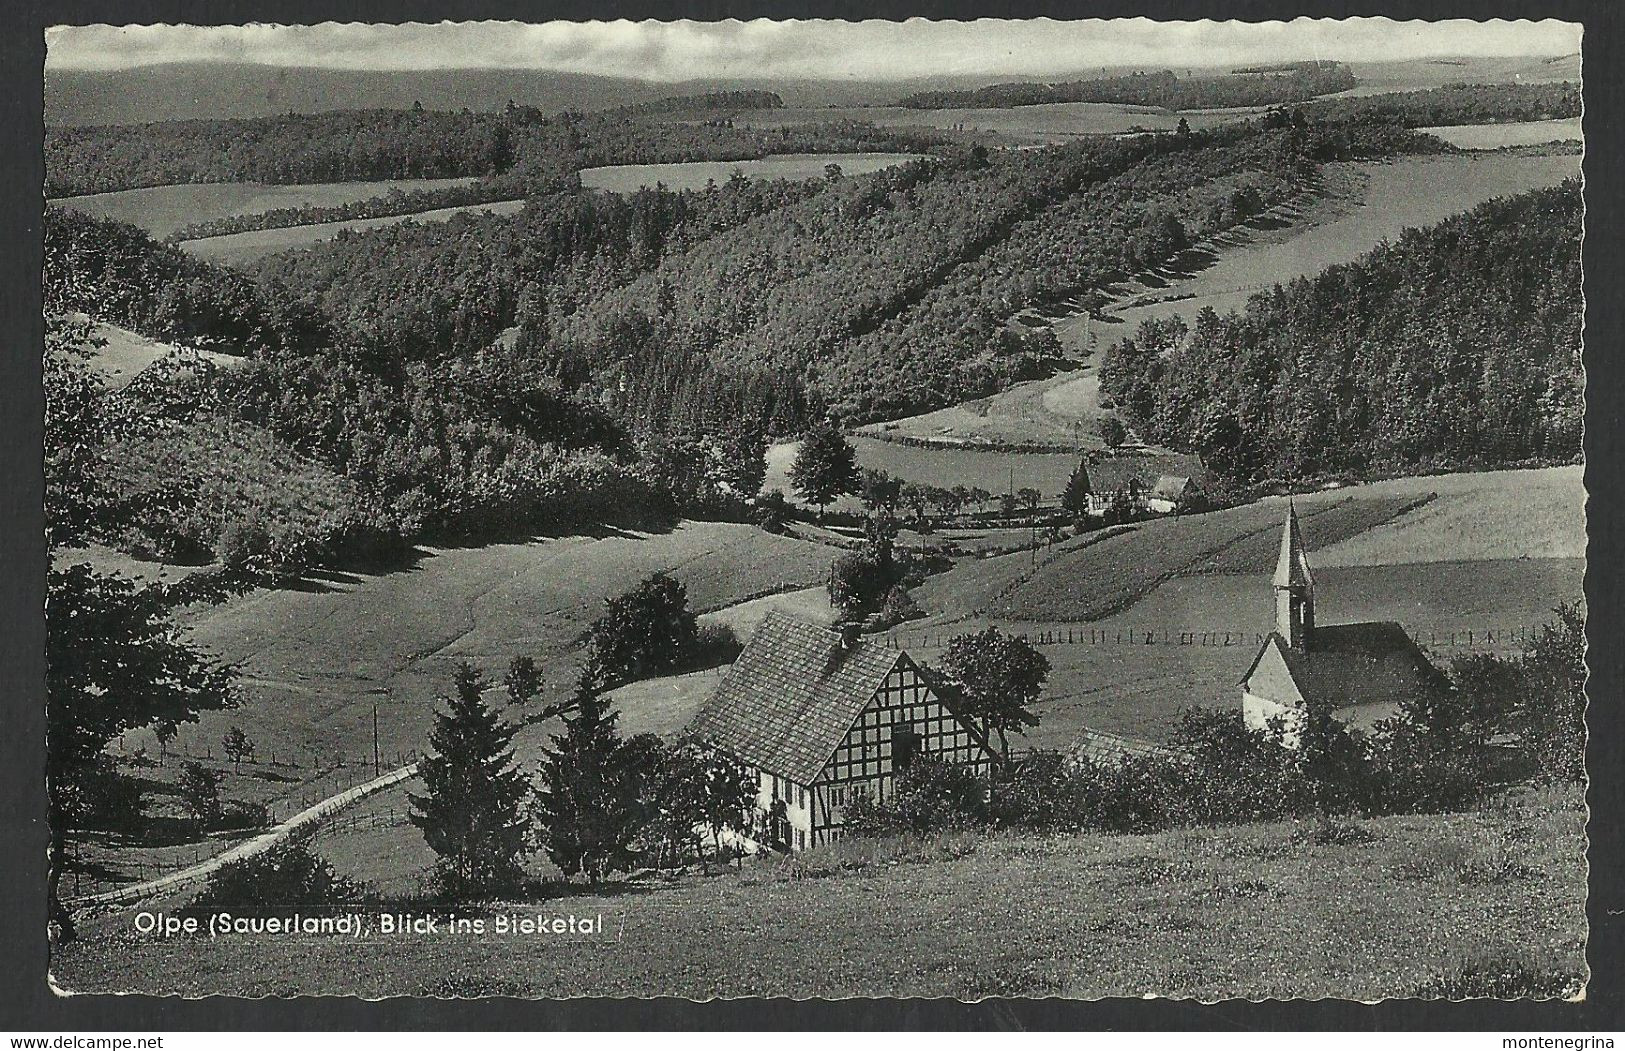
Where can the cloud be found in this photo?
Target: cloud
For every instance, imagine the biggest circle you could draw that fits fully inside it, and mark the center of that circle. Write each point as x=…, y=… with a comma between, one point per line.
x=874, y=50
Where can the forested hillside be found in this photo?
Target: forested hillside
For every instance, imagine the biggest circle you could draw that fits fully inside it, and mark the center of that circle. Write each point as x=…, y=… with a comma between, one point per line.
x=1455, y=104
x=1455, y=346
x=889, y=293
x=1293, y=82
x=520, y=150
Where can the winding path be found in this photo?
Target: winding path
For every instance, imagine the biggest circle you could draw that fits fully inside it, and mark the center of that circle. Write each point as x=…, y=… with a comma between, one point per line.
x=306, y=820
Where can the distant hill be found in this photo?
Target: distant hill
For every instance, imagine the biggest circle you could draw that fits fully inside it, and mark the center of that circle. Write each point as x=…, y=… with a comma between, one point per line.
x=214, y=90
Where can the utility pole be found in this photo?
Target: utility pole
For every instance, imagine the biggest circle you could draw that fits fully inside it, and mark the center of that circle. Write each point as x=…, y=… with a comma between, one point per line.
x=375, y=770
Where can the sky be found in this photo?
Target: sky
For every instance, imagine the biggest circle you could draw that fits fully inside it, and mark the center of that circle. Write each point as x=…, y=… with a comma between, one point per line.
x=872, y=50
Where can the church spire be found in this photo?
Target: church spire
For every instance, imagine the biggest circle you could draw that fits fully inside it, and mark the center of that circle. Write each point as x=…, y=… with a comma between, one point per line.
x=1294, y=586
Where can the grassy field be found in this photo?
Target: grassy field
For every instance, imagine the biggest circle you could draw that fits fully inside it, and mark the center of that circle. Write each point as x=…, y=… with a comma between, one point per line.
x=693, y=175
x=1520, y=133
x=1493, y=551
x=315, y=661
x=1254, y=911
x=1026, y=125
x=1354, y=207
x=161, y=210
x=1377, y=78
x=246, y=247
x=124, y=353
x=997, y=472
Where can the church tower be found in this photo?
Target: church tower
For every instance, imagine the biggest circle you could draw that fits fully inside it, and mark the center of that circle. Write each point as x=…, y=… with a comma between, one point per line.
x=1294, y=587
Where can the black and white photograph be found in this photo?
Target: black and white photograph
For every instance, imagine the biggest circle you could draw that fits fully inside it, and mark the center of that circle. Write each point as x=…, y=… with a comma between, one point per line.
x=822, y=509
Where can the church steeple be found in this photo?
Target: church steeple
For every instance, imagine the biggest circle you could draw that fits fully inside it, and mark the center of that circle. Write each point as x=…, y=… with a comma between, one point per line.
x=1294, y=587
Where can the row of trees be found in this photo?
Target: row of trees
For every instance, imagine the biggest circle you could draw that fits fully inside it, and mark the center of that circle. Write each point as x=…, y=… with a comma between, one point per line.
x=1292, y=82
x=1457, y=345
x=1456, y=104
x=596, y=802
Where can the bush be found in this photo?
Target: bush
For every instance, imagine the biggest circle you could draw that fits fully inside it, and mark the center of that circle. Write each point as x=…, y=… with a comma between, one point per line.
x=240, y=814
x=931, y=795
x=286, y=877
x=714, y=644
x=898, y=607
x=200, y=791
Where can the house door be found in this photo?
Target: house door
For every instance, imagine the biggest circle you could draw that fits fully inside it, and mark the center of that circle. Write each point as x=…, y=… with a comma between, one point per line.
x=905, y=745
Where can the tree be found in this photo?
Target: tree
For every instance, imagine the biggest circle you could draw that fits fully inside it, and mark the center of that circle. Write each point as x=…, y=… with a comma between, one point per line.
x=588, y=805
x=995, y=679
x=1030, y=498
x=1553, y=717
x=648, y=631
x=165, y=733
x=729, y=797
x=471, y=811
x=879, y=491
x=523, y=680
x=1112, y=431
x=200, y=792
x=237, y=747
x=1075, y=497
x=114, y=659
x=825, y=467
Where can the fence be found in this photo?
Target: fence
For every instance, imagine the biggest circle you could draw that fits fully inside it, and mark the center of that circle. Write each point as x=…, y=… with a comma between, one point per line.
x=171, y=875
x=1508, y=638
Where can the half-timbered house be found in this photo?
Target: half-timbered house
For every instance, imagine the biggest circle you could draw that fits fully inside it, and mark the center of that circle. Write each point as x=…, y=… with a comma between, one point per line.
x=822, y=717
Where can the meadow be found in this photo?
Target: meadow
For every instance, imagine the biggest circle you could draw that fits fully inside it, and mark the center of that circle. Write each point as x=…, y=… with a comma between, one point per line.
x=315, y=659
x=997, y=472
x=161, y=210
x=1409, y=902
x=1517, y=133
x=694, y=175
x=1025, y=125
x=1373, y=202
x=124, y=354
x=1491, y=551
x=246, y=247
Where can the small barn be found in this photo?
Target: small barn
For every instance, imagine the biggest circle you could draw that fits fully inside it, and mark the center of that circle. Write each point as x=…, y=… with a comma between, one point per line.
x=1359, y=672
x=822, y=717
x=1168, y=494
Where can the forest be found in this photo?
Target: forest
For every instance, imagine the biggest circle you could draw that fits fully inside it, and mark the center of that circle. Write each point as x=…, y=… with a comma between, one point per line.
x=1295, y=82
x=1456, y=346
x=517, y=152
x=1456, y=104
x=889, y=294
x=491, y=374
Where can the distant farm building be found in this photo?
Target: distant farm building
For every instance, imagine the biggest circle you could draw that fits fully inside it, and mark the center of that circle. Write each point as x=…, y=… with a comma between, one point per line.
x=1168, y=494
x=822, y=717
x=1358, y=672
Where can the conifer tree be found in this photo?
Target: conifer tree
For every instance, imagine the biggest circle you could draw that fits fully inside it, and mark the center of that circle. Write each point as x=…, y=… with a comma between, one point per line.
x=1075, y=497
x=472, y=810
x=588, y=806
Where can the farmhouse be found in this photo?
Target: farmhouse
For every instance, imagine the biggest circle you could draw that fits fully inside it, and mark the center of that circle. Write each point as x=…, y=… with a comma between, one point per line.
x=1168, y=494
x=822, y=717
x=1358, y=672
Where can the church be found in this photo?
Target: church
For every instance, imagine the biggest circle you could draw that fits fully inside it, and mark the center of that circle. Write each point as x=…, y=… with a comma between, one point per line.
x=1359, y=672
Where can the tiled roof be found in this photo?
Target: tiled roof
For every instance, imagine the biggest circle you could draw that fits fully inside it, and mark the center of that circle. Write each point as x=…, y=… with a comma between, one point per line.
x=1354, y=666
x=1170, y=486
x=792, y=695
